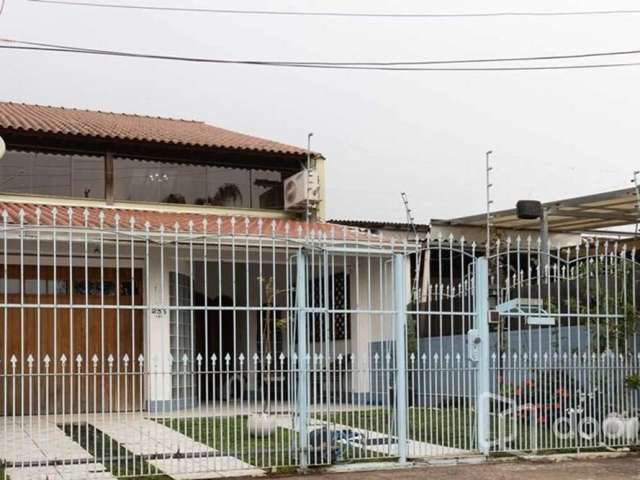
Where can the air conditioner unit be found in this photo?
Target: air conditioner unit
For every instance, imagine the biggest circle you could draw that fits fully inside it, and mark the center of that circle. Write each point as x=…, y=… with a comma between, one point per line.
x=300, y=189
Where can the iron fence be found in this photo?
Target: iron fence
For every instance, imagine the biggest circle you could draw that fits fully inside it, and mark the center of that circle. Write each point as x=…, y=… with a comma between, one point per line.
x=239, y=347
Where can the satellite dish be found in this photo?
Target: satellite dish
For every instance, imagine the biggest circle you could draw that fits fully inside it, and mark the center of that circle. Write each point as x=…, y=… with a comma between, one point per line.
x=3, y=148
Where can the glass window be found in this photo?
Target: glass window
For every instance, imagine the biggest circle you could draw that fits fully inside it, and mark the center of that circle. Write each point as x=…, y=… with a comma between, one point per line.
x=49, y=174
x=151, y=181
x=181, y=337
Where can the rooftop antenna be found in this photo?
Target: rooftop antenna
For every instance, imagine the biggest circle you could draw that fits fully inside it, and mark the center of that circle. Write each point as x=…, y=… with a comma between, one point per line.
x=489, y=201
x=637, y=189
x=412, y=225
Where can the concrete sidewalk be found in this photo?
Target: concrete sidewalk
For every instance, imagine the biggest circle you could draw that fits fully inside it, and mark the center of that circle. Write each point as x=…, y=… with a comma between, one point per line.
x=599, y=468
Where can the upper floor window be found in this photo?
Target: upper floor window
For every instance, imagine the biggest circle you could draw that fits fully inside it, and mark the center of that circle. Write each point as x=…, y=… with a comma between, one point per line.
x=141, y=180
x=50, y=174
x=152, y=181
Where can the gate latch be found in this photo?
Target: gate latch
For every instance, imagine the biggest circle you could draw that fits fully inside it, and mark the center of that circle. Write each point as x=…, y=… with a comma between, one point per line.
x=473, y=345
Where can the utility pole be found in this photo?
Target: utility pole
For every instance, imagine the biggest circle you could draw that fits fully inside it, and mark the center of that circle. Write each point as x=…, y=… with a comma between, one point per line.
x=489, y=201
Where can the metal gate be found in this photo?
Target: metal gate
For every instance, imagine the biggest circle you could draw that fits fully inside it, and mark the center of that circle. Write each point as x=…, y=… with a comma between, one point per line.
x=238, y=346
x=564, y=347
x=442, y=369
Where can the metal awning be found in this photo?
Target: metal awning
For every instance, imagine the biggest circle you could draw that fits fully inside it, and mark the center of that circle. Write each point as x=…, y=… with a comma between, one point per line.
x=591, y=212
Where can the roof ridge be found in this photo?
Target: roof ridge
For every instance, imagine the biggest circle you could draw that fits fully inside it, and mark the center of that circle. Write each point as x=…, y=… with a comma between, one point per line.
x=106, y=112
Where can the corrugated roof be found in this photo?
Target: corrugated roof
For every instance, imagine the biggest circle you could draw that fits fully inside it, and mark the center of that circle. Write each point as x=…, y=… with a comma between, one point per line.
x=120, y=126
x=380, y=225
x=590, y=212
x=253, y=226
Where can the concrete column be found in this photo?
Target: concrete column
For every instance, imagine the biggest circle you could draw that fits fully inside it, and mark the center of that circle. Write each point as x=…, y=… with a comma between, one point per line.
x=157, y=332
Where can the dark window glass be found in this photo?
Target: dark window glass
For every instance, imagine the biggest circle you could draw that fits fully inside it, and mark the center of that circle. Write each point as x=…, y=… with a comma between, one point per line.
x=48, y=174
x=339, y=327
x=150, y=181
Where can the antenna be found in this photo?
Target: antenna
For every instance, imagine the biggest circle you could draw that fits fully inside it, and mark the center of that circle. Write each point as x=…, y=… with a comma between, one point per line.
x=412, y=224
x=489, y=201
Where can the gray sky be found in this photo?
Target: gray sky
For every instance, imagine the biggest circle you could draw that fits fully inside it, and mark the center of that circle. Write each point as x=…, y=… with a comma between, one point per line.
x=554, y=133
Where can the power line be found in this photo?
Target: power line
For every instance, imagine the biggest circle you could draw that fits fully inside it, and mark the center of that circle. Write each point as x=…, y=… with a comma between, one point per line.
x=377, y=63
x=391, y=66
x=301, y=13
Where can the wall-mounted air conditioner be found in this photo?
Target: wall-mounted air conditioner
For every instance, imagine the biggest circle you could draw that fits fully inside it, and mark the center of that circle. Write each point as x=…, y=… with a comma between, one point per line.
x=299, y=189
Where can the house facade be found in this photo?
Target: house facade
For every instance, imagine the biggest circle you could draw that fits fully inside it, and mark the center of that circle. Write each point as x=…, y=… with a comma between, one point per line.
x=159, y=252
x=172, y=301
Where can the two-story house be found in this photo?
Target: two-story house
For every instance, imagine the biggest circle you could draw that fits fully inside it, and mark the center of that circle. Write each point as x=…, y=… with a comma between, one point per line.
x=148, y=254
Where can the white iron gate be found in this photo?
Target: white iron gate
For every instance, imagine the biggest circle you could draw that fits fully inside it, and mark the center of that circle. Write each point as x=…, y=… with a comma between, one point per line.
x=564, y=347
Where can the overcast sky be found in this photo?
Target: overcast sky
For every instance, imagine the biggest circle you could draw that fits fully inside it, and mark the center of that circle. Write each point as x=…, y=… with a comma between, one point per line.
x=555, y=134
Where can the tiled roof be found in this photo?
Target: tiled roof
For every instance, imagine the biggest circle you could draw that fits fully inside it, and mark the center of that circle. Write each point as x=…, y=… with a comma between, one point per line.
x=237, y=225
x=119, y=126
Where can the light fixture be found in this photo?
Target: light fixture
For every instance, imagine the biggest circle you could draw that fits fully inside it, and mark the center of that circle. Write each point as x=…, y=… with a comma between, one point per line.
x=158, y=177
x=3, y=148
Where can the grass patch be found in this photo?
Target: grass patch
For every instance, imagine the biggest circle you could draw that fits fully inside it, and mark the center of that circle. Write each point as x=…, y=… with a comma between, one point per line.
x=110, y=453
x=449, y=427
x=231, y=437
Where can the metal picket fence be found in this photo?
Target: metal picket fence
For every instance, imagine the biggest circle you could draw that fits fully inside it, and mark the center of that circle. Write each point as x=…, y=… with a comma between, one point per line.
x=238, y=346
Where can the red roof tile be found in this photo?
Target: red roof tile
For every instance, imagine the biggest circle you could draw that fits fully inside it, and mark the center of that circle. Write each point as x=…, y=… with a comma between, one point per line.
x=254, y=226
x=119, y=126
